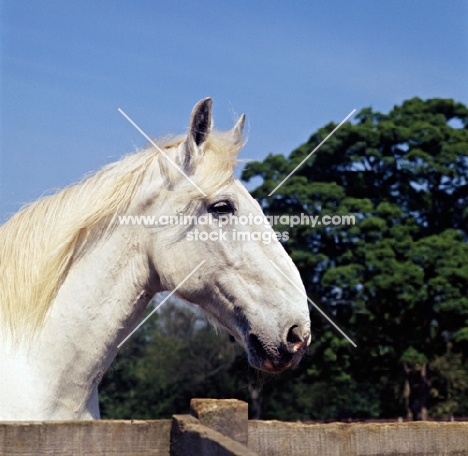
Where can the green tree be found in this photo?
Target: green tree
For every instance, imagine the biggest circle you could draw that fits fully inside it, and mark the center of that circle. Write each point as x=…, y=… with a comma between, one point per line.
x=449, y=384
x=396, y=280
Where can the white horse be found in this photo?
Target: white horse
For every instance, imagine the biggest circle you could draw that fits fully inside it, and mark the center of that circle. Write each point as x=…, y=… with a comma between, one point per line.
x=74, y=281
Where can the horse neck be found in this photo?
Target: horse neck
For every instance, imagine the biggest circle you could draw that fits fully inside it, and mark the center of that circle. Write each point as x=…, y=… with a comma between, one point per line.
x=96, y=307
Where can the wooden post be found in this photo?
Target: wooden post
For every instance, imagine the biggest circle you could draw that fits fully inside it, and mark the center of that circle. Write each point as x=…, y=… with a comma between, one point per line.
x=191, y=438
x=230, y=417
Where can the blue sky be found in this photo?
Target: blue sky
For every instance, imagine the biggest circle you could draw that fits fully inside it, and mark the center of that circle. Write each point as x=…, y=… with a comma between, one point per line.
x=291, y=66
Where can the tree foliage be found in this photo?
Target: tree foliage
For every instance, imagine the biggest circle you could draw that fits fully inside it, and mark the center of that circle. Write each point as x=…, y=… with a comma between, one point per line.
x=397, y=279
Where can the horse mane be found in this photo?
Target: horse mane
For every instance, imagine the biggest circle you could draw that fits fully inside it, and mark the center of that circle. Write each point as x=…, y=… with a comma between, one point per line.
x=39, y=244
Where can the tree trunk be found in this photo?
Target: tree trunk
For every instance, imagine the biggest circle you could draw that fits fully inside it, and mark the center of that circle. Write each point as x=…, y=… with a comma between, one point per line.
x=416, y=393
x=256, y=398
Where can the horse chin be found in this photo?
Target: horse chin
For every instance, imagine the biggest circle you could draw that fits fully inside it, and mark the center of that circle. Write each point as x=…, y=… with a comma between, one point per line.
x=274, y=365
x=269, y=367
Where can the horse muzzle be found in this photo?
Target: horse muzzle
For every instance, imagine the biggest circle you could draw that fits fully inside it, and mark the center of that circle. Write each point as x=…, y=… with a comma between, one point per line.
x=275, y=358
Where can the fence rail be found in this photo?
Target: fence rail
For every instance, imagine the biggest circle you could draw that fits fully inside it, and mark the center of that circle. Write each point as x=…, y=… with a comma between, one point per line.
x=221, y=427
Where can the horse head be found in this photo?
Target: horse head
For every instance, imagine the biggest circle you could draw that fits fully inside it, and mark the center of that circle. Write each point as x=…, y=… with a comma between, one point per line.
x=247, y=283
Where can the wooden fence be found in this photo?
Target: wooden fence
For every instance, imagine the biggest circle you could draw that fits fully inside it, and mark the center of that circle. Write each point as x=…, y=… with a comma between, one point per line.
x=221, y=428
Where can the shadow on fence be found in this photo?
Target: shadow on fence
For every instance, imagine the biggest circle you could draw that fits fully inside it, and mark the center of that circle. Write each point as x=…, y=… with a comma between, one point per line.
x=221, y=428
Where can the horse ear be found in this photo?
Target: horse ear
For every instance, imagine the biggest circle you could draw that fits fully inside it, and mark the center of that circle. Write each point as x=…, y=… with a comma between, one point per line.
x=201, y=122
x=237, y=131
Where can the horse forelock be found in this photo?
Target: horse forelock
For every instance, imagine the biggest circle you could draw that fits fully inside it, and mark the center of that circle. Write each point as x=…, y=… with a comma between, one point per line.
x=213, y=169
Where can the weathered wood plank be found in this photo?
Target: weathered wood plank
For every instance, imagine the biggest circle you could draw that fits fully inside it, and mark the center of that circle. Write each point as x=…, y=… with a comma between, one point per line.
x=274, y=438
x=76, y=438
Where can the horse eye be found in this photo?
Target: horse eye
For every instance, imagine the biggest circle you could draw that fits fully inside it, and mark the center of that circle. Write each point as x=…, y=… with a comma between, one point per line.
x=222, y=208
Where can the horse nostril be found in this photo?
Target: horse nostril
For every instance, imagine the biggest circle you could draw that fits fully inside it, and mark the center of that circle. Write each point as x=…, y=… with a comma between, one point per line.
x=294, y=335
x=296, y=339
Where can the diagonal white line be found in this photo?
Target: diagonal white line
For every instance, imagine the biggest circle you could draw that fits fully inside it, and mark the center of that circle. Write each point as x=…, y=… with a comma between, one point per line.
x=315, y=305
x=160, y=304
x=162, y=152
x=308, y=156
